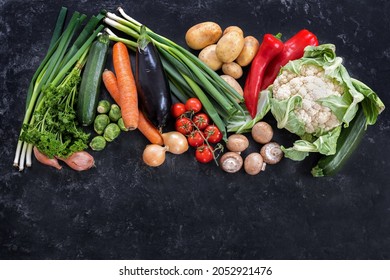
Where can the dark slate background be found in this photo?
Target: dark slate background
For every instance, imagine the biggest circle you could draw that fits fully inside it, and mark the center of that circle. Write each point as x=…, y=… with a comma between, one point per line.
x=184, y=210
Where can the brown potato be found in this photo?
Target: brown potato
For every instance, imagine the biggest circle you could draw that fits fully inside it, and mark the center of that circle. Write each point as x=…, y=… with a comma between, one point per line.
x=203, y=34
x=251, y=46
x=233, y=28
x=209, y=57
x=230, y=46
x=232, y=69
x=233, y=83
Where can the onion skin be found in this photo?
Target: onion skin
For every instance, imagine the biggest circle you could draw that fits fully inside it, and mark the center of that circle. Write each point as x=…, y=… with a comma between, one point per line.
x=175, y=142
x=154, y=155
x=45, y=160
x=79, y=161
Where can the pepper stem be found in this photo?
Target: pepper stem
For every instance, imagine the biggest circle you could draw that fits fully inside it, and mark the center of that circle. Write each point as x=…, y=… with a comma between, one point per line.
x=278, y=36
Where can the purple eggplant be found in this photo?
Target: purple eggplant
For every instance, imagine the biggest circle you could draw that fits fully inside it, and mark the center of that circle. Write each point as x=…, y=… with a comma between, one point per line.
x=152, y=83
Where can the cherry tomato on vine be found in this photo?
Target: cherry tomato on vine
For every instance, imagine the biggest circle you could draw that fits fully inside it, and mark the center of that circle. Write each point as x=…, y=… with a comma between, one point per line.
x=195, y=139
x=204, y=154
x=193, y=104
x=201, y=120
x=183, y=125
x=212, y=134
x=178, y=109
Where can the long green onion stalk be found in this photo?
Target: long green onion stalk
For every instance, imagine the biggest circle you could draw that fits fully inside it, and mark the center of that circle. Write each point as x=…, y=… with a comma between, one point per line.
x=188, y=76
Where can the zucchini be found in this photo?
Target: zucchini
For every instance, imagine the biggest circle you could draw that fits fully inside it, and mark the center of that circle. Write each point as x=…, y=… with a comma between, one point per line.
x=91, y=80
x=348, y=141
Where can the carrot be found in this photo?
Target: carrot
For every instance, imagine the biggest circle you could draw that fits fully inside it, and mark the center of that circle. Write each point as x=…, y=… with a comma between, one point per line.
x=144, y=125
x=149, y=130
x=126, y=85
x=111, y=85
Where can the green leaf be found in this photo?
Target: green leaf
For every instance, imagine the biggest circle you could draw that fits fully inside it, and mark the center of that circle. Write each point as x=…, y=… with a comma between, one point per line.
x=372, y=104
x=326, y=144
x=283, y=111
x=242, y=121
x=338, y=104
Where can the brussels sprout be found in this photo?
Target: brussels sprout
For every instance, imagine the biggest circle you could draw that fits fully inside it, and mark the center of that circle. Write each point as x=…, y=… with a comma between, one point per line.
x=115, y=113
x=98, y=143
x=121, y=125
x=100, y=123
x=111, y=132
x=103, y=106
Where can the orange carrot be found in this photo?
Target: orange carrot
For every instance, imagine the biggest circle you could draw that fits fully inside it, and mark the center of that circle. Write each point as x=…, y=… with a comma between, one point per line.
x=144, y=125
x=111, y=85
x=126, y=85
x=149, y=130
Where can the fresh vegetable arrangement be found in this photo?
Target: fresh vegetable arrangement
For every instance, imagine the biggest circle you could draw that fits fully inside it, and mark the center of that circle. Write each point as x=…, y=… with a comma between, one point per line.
x=302, y=83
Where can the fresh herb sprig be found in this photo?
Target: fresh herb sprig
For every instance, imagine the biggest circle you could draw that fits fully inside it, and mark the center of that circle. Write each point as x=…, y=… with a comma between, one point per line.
x=54, y=129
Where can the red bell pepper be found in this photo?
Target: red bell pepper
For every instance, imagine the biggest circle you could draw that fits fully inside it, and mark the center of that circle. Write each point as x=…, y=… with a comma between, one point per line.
x=269, y=48
x=293, y=49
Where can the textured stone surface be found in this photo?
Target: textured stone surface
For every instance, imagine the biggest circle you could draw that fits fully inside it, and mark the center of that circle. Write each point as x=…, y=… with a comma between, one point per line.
x=183, y=210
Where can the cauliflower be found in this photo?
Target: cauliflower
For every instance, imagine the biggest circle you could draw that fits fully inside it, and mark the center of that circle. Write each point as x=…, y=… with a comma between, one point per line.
x=312, y=85
x=314, y=97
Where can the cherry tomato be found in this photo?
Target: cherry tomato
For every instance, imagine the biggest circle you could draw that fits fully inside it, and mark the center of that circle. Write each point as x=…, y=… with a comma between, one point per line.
x=201, y=120
x=204, y=154
x=195, y=139
x=183, y=125
x=193, y=104
x=212, y=134
x=178, y=109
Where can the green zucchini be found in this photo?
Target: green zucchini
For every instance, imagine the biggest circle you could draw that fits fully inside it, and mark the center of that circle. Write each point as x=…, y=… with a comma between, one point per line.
x=348, y=141
x=91, y=80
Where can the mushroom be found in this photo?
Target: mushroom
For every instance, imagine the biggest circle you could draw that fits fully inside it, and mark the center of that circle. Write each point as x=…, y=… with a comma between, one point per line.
x=231, y=162
x=271, y=153
x=237, y=143
x=262, y=132
x=254, y=163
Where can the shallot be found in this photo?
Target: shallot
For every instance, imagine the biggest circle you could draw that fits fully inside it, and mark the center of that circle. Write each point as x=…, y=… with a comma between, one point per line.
x=79, y=161
x=45, y=159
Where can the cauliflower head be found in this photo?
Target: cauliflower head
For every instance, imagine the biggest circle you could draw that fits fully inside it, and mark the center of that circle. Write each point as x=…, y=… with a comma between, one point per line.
x=314, y=97
x=312, y=85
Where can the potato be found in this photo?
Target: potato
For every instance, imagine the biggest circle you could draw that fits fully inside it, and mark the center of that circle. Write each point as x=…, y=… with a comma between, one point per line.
x=251, y=46
x=203, y=34
x=209, y=57
x=230, y=46
x=233, y=28
x=232, y=69
x=233, y=83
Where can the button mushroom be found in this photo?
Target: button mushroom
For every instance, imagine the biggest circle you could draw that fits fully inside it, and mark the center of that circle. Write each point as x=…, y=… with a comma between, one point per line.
x=237, y=143
x=262, y=132
x=231, y=162
x=271, y=153
x=253, y=164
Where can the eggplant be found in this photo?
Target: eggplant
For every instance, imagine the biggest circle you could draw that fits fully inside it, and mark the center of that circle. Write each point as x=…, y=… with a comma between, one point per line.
x=152, y=83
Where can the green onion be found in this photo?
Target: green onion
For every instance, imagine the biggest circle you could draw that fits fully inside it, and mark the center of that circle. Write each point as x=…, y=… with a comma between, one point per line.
x=188, y=76
x=58, y=27
x=61, y=58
